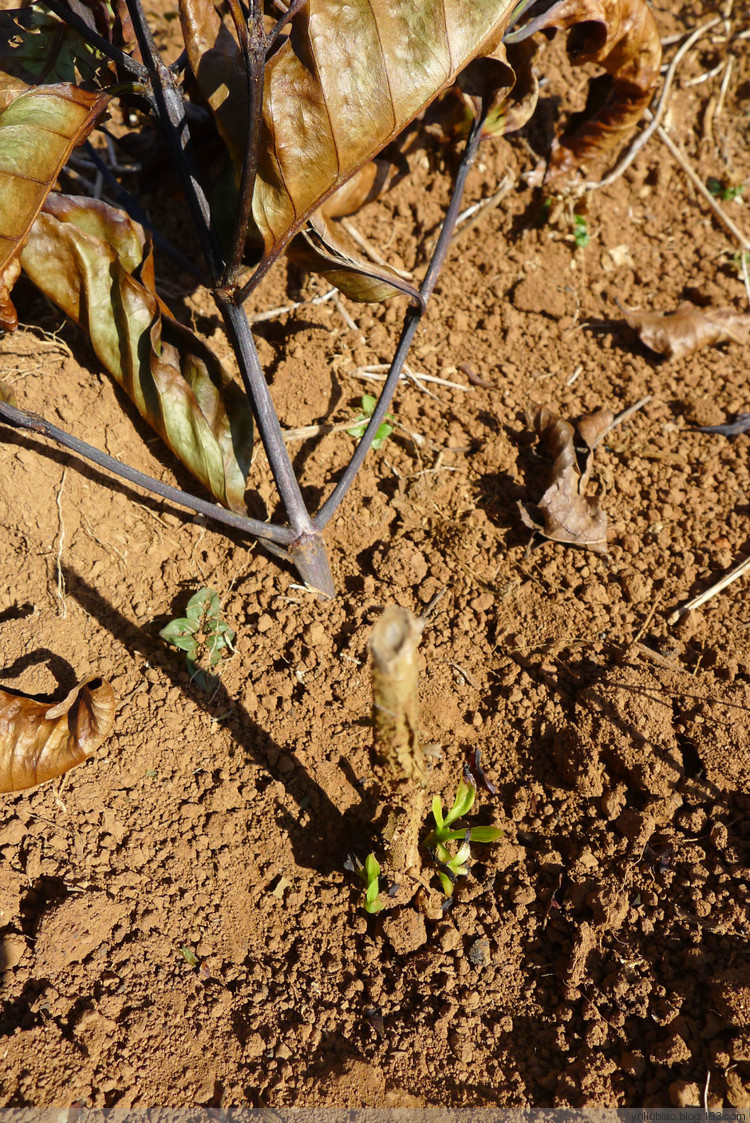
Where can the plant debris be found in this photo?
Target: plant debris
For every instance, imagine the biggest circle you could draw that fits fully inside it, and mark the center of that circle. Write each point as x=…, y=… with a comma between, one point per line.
x=741, y=424
x=565, y=513
x=622, y=37
x=688, y=328
x=39, y=741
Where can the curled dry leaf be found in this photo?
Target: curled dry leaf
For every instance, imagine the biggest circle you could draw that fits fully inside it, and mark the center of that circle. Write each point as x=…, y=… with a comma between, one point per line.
x=38, y=131
x=622, y=37
x=39, y=741
x=96, y=264
x=347, y=80
x=324, y=247
x=565, y=513
x=688, y=328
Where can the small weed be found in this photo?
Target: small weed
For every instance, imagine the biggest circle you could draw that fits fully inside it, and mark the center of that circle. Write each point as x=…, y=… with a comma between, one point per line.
x=451, y=865
x=737, y=263
x=367, y=407
x=202, y=635
x=189, y=956
x=721, y=190
x=581, y=235
x=369, y=873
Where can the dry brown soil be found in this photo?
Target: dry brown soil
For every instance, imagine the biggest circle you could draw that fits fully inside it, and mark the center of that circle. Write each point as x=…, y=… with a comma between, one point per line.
x=599, y=952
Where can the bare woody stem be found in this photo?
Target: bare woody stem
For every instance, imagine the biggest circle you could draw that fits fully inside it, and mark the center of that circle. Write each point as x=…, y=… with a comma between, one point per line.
x=266, y=532
x=173, y=121
x=253, y=45
x=289, y=14
x=412, y=322
x=305, y=540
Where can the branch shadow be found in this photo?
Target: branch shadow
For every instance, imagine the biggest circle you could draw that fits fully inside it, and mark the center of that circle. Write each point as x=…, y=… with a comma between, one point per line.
x=321, y=843
x=154, y=503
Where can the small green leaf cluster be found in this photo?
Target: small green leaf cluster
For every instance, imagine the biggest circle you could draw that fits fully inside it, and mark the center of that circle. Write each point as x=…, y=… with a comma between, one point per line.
x=369, y=873
x=724, y=191
x=202, y=635
x=581, y=235
x=737, y=262
x=367, y=407
x=455, y=865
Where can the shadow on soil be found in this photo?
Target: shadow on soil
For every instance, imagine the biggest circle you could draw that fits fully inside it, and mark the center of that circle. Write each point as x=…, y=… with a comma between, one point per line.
x=324, y=841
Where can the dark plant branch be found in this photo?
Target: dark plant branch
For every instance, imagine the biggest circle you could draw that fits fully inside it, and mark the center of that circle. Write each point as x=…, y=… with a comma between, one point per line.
x=132, y=207
x=411, y=323
x=268, y=423
x=294, y=7
x=173, y=121
x=252, y=41
x=31, y=422
x=129, y=65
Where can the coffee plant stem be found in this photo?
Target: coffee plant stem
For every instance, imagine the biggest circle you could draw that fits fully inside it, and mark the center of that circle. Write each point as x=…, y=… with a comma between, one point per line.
x=266, y=532
x=411, y=323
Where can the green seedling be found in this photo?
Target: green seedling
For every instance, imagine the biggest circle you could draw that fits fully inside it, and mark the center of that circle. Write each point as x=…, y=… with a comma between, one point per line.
x=369, y=873
x=741, y=261
x=455, y=865
x=202, y=635
x=367, y=407
x=724, y=191
x=581, y=235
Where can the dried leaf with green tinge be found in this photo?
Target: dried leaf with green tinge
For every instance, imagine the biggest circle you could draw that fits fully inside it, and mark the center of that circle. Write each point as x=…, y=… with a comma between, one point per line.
x=96, y=264
x=38, y=131
x=347, y=80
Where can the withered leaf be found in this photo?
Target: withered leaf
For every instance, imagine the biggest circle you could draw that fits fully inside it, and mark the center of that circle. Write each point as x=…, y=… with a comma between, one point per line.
x=592, y=426
x=324, y=247
x=96, y=264
x=622, y=37
x=39, y=741
x=688, y=328
x=565, y=513
x=37, y=48
x=38, y=131
x=348, y=79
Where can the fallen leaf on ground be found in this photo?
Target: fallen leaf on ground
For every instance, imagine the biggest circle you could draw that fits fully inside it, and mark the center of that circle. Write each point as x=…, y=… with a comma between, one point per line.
x=622, y=37
x=39, y=741
x=565, y=513
x=688, y=328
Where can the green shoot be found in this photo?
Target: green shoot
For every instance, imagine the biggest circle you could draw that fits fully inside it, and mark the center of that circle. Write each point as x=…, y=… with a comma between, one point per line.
x=737, y=262
x=367, y=406
x=455, y=865
x=369, y=873
x=202, y=635
x=581, y=235
x=721, y=190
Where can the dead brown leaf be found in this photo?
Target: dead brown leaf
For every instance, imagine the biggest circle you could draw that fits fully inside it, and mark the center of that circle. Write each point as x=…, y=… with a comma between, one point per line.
x=39, y=741
x=688, y=328
x=592, y=426
x=622, y=37
x=565, y=513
